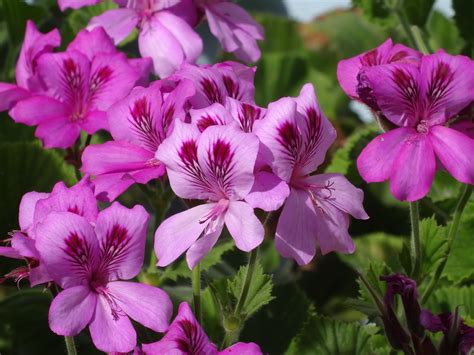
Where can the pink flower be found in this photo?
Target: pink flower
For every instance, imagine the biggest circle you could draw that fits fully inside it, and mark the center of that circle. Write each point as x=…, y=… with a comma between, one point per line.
x=235, y=29
x=166, y=32
x=76, y=4
x=215, y=166
x=27, y=81
x=316, y=212
x=88, y=261
x=420, y=101
x=350, y=71
x=79, y=87
x=139, y=124
x=185, y=336
x=34, y=208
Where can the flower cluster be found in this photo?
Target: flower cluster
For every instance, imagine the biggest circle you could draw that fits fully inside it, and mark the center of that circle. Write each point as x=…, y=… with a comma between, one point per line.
x=421, y=97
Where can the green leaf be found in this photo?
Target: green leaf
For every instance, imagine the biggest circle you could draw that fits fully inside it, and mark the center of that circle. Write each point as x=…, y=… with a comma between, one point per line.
x=260, y=290
x=344, y=160
x=376, y=10
x=433, y=244
x=444, y=34
x=444, y=187
x=321, y=335
x=418, y=11
x=10, y=131
x=446, y=299
x=463, y=15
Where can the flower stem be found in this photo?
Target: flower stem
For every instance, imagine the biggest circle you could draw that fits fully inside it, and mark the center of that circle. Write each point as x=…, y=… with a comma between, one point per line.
x=196, y=280
x=247, y=282
x=70, y=345
x=415, y=240
x=405, y=25
x=421, y=44
x=453, y=231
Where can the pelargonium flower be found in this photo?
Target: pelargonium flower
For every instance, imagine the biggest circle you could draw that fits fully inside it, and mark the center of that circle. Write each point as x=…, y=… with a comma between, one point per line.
x=215, y=166
x=88, y=261
x=78, y=89
x=166, y=30
x=420, y=101
x=185, y=336
x=316, y=212
x=34, y=208
x=27, y=81
x=235, y=29
x=351, y=75
x=139, y=124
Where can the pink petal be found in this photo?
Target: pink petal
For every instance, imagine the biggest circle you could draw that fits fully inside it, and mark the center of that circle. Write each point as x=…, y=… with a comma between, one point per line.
x=297, y=226
x=111, y=334
x=177, y=233
x=244, y=114
x=58, y=133
x=413, y=170
x=148, y=305
x=375, y=162
x=238, y=80
x=122, y=233
x=76, y=4
x=9, y=252
x=118, y=23
x=91, y=43
x=95, y=121
x=25, y=246
x=465, y=126
x=10, y=94
x=68, y=246
x=454, y=150
x=39, y=275
x=143, y=67
x=27, y=208
x=37, y=109
x=202, y=246
x=213, y=115
x=242, y=349
x=72, y=310
x=244, y=226
x=268, y=192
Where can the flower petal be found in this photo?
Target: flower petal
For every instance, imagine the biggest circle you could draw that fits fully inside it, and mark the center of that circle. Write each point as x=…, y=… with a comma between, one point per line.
x=244, y=226
x=268, y=192
x=213, y=115
x=454, y=149
x=244, y=114
x=72, y=310
x=375, y=162
x=10, y=94
x=75, y=4
x=68, y=246
x=413, y=170
x=242, y=349
x=202, y=246
x=92, y=42
x=38, y=109
x=148, y=305
x=122, y=233
x=9, y=252
x=118, y=23
x=177, y=233
x=25, y=246
x=58, y=133
x=27, y=208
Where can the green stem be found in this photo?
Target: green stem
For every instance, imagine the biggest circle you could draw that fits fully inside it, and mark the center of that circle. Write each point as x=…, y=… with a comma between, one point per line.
x=453, y=231
x=415, y=240
x=421, y=44
x=405, y=25
x=196, y=280
x=247, y=282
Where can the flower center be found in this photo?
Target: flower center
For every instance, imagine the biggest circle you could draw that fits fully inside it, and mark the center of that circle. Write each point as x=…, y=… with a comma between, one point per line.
x=422, y=127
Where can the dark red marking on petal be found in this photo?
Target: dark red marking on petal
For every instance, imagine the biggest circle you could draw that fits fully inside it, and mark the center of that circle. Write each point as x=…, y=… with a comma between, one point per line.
x=232, y=87
x=408, y=89
x=206, y=121
x=141, y=119
x=248, y=114
x=439, y=86
x=398, y=56
x=73, y=88
x=79, y=253
x=289, y=138
x=371, y=58
x=220, y=161
x=194, y=339
x=113, y=249
x=167, y=119
x=98, y=80
x=211, y=90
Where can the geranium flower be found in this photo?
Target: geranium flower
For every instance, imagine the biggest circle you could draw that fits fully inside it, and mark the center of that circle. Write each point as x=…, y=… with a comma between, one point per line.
x=27, y=81
x=34, y=208
x=215, y=166
x=80, y=85
x=316, y=213
x=88, y=261
x=139, y=124
x=420, y=101
x=185, y=336
x=76, y=4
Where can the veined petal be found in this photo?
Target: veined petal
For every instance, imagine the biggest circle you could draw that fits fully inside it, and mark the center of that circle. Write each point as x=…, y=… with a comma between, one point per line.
x=214, y=115
x=145, y=304
x=203, y=246
x=121, y=233
x=244, y=114
x=375, y=162
x=92, y=42
x=58, y=133
x=176, y=106
x=297, y=228
x=177, y=233
x=10, y=94
x=268, y=192
x=242, y=349
x=227, y=157
x=27, y=208
x=454, y=150
x=72, y=310
x=75, y=4
x=37, y=109
x=118, y=23
x=68, y=246
x=94, y=121
x=413, y=170
x=9, y=252
x=244, y=227
x=25, y=246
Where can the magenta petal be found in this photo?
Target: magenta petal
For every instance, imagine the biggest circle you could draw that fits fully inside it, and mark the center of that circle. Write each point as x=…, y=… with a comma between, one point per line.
x=122, y=233
x=454, y=150
x=38, y=109
x=25, y=246
x=95, y=121
x=72, y=310
x=242, y=349
x=111, y=332
x=213, y=115
x=58, y=133
x=375, y=162
x=10, y=94
x=268, y=192
x=178, y=232
x=244, y=227
x=39, y=275
x=202, y=246
x=76, y=4
x=9, y=252
x=413, y=170
x=27, y=208
x=148, y=305
x=296, y=230
x=118, y=23
x=91, y=43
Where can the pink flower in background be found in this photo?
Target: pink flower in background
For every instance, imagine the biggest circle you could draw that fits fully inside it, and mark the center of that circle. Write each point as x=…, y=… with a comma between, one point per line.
x=216, y=166
x=235, y=29
x=185, y=336
x=80, y=85
x=34, y=208
x=76, y=4
x=88, y=261
x=27, y=80
x=420, y=101
x=351, y=75
x=316, y=212
x=138, y=124
x=166, y=31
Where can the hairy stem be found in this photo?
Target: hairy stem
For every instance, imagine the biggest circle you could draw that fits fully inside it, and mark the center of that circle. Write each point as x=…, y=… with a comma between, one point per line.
x=453, y=231
x=415, y=246
x=196, y=281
